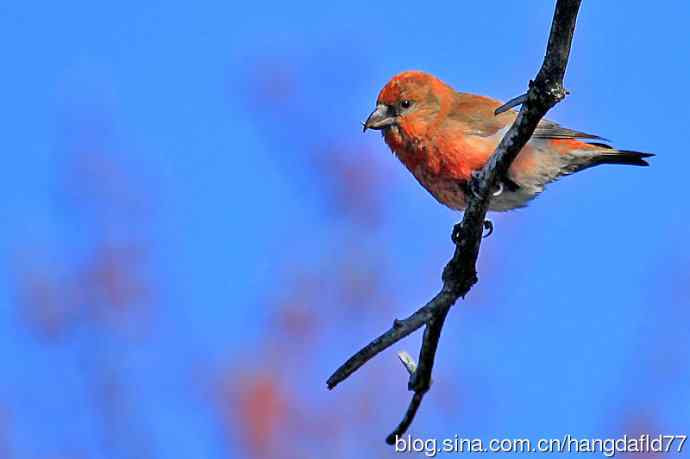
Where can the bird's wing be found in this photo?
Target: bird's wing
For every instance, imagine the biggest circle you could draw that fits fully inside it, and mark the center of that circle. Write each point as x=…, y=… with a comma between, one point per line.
x=549, y=130
x=476, y=114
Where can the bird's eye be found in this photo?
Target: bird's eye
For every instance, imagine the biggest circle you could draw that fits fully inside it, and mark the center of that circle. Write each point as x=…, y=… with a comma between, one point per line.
x=406, y=103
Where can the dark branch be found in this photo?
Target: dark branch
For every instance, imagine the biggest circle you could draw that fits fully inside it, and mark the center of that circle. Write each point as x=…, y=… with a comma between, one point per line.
x=460, y=273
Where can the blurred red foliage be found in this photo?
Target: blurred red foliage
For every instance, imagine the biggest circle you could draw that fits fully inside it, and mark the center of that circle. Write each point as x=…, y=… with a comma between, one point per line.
x=259, y=402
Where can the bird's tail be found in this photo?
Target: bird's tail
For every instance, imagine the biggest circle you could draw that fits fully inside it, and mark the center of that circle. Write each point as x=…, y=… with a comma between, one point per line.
x=633, y=158
x=598, y=154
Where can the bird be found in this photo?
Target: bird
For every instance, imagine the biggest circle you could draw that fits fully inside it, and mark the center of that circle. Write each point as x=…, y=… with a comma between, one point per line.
x=443, y=136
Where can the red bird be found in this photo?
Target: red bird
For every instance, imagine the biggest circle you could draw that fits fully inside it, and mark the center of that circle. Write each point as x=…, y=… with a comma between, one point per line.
x=442, y=136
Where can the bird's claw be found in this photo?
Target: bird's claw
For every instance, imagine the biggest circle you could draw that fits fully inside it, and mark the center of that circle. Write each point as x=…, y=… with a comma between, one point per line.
x=456, y=236
x=489, y=227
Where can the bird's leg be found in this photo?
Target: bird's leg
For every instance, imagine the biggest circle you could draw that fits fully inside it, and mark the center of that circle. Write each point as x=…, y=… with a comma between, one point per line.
x=472, y=186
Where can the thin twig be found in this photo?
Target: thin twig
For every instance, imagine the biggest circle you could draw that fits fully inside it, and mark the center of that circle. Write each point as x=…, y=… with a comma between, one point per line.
x=460, y=273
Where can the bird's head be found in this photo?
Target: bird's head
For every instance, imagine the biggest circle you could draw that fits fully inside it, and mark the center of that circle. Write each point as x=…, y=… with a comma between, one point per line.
x=411, y=98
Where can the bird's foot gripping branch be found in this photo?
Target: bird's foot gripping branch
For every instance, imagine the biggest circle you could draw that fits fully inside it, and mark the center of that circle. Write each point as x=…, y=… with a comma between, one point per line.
x=460, y=274
x=456, y=236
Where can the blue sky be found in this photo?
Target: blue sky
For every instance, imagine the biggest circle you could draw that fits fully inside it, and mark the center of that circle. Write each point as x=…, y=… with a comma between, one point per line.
x=215, y=110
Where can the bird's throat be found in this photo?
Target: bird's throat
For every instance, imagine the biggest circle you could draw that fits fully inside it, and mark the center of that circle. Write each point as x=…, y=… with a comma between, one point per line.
x=404, y=147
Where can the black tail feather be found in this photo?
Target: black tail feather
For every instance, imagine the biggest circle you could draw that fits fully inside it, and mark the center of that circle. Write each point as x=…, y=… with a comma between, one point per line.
x=633, y=158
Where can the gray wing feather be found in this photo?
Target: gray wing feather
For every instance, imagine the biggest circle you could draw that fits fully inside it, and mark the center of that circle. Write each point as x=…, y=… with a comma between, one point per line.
x=550, y=130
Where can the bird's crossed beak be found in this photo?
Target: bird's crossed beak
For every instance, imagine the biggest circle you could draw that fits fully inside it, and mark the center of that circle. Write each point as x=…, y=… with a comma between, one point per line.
x=379, y=118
